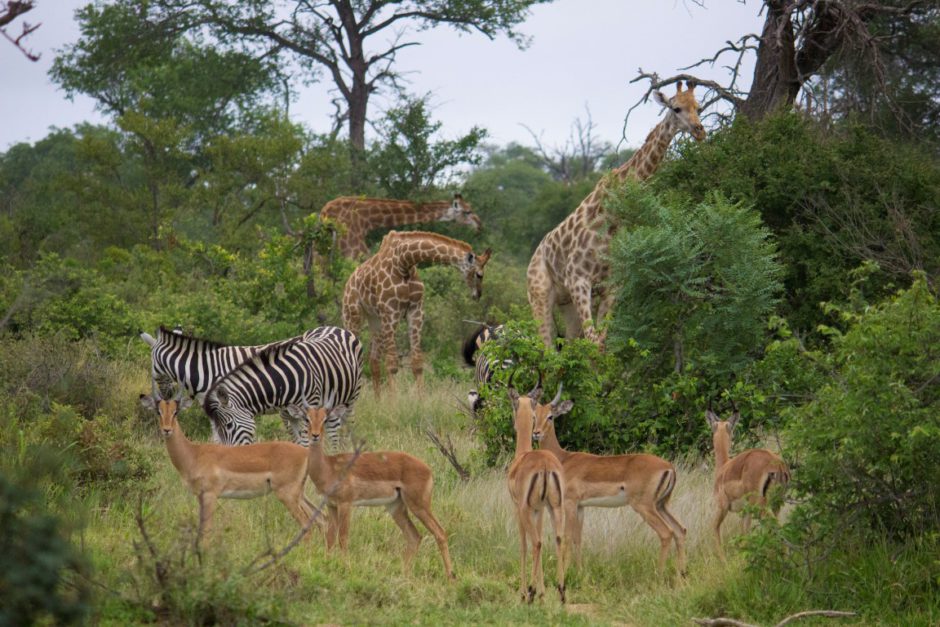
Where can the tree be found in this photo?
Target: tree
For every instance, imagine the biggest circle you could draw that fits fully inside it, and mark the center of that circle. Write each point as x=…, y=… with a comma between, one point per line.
x=9, y=11
x=407, y=161
x=799, y=41
x=579, y=157
x=335, y=36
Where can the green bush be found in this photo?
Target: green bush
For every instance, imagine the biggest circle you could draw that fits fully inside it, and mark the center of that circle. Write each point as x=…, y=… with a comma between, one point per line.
x=695, y=282
x=40, y=570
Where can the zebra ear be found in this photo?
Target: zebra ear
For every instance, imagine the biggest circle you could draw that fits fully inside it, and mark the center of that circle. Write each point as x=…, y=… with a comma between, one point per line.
x=221, y=393
x=339, y=412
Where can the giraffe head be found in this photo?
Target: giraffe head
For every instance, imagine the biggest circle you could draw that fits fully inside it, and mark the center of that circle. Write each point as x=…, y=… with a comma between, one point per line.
x=684, y=108
x=472, y=267
x=461, y=212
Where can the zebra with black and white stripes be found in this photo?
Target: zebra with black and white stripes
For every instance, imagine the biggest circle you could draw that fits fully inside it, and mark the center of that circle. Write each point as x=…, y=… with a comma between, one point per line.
x=322, y=366
x=482, y=367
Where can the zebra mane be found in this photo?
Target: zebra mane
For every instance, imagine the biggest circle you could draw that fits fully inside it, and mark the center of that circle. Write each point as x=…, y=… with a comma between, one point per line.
x=168, y=335
x=211, y=404
x=470, y=345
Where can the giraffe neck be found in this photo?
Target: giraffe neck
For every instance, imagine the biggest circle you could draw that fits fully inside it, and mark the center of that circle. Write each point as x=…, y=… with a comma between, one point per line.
x=648, y=158
x=640, y=166
x=410, y=249
x=396, y=213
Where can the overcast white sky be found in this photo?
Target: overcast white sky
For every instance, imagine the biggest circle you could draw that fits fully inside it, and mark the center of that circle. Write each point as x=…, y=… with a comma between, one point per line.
x=583, y=54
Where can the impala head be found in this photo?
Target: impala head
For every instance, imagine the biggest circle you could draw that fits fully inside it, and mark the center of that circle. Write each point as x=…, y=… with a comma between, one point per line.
x=684, y=108
x=523, y=407
x=167, y=410
x=472, y=265
x=317, y=417
x=545, y=414
x=720, y=426
x=461, y=212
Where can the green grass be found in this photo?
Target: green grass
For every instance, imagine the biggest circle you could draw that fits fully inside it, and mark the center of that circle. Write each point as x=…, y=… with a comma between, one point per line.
x=619, y=584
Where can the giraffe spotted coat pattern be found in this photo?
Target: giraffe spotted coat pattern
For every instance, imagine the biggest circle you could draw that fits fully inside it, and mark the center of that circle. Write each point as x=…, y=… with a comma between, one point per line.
x=360, y=215
x=385, y=288
x=569, y=267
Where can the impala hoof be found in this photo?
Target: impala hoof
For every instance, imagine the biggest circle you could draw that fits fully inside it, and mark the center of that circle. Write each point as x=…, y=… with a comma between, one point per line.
x=561, y=593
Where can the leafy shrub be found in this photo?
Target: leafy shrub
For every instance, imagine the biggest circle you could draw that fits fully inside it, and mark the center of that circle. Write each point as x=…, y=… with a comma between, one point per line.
x=39, y=567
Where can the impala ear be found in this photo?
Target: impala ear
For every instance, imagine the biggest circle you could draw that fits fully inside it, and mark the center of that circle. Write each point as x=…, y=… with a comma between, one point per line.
x=184, y=402
x=712, y=418
x=147, y=402
x=339, y=412
x=735, y=417
x=562, y=408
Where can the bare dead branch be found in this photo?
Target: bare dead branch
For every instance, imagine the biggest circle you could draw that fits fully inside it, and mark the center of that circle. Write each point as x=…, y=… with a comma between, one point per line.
x=11, y=10
x=730, y=622
x=448, y=451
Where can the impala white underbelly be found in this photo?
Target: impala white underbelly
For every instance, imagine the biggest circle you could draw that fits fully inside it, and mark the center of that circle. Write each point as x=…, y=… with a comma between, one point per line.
x=376, y=502
x=245, y=494
x=618, y=499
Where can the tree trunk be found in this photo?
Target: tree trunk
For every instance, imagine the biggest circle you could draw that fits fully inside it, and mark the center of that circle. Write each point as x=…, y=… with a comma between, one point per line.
x=776, y=80
x=358, y=104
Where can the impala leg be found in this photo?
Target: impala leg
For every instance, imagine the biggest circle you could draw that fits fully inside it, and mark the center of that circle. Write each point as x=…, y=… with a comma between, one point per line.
x=399, y=514
x=678, y=534
x=653, y=519
x=293, y=500
x=332, y=526
x=207, y=503
x=558, y=525
x=521, y=517
x=344, y=512
x=422, y=510
x=573, y=521
x=720, y=514
x=538, y=576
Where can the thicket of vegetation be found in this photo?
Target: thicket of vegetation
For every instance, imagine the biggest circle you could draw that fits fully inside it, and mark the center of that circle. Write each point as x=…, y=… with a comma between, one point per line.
x=787, y=265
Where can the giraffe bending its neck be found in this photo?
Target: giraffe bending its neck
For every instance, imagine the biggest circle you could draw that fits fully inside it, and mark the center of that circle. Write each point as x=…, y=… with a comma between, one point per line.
x=362, y=215
x=569, y=267
x=386, y=288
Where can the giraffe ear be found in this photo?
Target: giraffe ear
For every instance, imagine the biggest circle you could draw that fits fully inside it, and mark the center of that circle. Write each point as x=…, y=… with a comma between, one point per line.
x=661, y=99
x=482, y=259
x=458, y=196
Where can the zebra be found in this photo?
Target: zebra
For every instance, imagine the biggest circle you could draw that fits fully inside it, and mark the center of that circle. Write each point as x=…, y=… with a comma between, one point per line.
x=321, y=367
x=482, y=368
x=194, y=364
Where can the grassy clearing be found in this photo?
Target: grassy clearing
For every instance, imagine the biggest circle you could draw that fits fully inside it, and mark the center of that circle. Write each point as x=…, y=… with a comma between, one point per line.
x=618, y=585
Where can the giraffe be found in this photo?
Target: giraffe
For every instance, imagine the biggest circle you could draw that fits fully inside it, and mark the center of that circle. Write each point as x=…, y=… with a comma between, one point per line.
x=569, y=266
x=386, y=287
x=361, y=215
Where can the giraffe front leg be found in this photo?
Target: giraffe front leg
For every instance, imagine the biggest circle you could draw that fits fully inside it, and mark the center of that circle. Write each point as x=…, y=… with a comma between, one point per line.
x=415, y=323
x=581, y=298
x=388, y=347
x=542, y=301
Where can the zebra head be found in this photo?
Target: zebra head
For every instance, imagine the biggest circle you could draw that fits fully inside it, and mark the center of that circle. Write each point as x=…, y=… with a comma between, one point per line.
x=233, y=422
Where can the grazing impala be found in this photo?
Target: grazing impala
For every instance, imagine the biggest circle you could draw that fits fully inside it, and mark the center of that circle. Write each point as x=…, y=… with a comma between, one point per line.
x=743, y=479
x=536, y=483
x=213, y=471
x=399, y=481
x=644, y=482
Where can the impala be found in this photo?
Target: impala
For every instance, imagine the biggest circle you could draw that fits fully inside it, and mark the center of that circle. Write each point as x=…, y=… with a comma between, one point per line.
x=743, y=479
x=214, y=471
x=644, y=482
x=399, y=481
x=536, y=483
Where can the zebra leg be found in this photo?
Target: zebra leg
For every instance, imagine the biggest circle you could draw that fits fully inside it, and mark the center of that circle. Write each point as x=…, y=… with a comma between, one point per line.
x=296, y=426
x=415, y=323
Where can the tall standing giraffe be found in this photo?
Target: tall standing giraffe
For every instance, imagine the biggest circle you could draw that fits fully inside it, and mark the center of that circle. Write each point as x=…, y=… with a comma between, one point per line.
x=386, y=288
x=362, y=215
x=569, y=266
